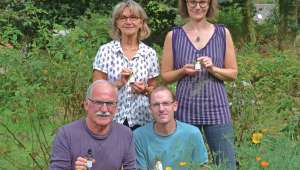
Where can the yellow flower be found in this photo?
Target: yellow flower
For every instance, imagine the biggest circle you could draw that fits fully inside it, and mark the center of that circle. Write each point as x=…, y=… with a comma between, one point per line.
x=168, y=168
x=182, y=163
x=256, y=137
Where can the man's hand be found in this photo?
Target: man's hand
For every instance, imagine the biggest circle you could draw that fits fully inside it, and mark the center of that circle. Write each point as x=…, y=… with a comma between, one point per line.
x=80, y=163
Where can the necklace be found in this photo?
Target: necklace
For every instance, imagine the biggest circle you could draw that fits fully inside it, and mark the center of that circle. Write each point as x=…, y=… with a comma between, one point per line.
x=197, y=39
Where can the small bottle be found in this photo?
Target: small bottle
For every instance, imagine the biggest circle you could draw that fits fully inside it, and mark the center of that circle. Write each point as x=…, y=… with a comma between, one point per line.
x=89, y=157
x=158, y=165
x=198, y=65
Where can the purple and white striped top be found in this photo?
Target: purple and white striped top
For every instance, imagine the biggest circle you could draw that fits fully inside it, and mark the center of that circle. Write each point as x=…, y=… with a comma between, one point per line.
x=202, y=98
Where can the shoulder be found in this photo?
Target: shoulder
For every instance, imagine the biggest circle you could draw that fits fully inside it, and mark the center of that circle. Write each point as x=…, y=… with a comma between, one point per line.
x=222, y=27
x=121, y=128
x=146, y=48
x=73, y=125
x=110, y=45
x=121, y=131
x=187, y=128
x=143, y=131
x=70, y=129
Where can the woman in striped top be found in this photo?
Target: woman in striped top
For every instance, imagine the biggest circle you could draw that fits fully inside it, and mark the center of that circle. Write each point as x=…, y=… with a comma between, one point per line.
x=200, y=87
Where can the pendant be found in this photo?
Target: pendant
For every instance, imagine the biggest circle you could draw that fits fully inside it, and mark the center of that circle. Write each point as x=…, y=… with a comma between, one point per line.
x=197, y=39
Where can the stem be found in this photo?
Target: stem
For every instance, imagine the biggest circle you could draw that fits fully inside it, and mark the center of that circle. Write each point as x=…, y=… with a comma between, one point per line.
x=20, y=144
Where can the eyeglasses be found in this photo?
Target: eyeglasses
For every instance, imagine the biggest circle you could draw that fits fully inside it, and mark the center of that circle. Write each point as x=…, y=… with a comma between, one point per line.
x=130, y=18
x=164, y=104
x=102, y=103
x=193, y=3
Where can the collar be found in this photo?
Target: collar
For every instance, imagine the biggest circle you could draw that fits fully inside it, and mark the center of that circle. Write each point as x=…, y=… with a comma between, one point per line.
x=164, y=135
x=96, y=136
x=141, y=51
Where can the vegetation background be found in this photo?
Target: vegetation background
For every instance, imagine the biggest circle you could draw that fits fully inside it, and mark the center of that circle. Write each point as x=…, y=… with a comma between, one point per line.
x=46, y=53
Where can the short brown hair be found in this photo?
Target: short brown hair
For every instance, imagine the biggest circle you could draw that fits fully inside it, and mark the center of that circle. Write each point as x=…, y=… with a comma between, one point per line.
x=162, y=88
x=137, y=10
x=211, y=13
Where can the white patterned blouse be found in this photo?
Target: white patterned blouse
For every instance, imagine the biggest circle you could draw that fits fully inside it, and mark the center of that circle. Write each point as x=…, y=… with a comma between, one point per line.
x=110, y=59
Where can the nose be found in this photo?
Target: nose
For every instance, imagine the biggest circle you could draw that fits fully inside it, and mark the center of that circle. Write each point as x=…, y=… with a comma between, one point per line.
x=104, y=108
x=161, y=107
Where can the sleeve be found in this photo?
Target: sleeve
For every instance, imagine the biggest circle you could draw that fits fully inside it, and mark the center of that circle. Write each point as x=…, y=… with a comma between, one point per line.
x=101, y=59
x=200, y=153
x=129, y=162
x=60, y=156
x=140, y=156
x=153, y=66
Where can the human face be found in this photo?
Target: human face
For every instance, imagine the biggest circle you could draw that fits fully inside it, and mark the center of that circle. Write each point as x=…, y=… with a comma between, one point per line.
x=101, y=106
x=197, y=9
x=129, y=23
x=163, y=107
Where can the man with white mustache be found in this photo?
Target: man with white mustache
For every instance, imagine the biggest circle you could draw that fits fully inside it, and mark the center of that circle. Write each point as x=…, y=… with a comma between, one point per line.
x=95, y=142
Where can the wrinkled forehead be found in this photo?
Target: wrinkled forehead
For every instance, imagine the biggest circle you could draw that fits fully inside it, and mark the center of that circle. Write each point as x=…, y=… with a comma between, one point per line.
x=103, y=90
x=161, y=95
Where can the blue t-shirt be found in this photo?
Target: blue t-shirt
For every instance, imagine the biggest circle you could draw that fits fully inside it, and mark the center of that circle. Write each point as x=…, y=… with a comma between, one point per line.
x=183, y=149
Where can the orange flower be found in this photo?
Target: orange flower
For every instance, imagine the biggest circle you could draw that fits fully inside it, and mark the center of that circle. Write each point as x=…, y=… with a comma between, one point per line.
x=264, y=164
x=258, y=158
x=256, y=137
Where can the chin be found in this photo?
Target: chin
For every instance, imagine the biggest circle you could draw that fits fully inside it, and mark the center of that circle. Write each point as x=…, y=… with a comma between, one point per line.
x=164, y=121
x=103, y=121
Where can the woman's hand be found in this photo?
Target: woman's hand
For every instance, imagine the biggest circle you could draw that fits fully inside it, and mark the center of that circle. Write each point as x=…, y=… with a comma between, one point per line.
x=189, y=69
x=138, y=87
x=207, y=63
x=125, y=76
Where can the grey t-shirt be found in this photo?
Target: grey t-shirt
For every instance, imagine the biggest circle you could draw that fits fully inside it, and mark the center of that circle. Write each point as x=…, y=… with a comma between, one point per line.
x=110, y=151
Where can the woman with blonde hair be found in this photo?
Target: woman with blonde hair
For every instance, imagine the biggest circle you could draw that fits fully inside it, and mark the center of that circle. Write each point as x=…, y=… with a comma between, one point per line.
x=129, y=63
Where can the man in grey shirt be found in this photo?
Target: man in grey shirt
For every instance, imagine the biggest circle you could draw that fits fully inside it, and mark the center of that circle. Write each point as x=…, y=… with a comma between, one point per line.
x=95, y=140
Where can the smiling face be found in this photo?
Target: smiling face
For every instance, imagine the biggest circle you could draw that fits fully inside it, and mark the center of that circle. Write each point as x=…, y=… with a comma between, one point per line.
x=129, y=23
x=197, y=9
x=101, y=106
x=162, y=106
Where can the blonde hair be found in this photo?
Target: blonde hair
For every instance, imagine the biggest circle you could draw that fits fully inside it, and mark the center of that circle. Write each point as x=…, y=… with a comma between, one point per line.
x=211, y=13
x=137, y=10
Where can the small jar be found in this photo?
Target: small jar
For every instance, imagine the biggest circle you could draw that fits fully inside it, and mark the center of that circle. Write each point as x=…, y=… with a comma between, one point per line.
x=198, y=65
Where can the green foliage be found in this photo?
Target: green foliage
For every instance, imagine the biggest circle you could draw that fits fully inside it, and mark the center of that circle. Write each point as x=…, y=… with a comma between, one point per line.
x=265, y=86
x=162, y=19
x=43, y=82
x=279, y=151
x=43, y=89
x=231, y=17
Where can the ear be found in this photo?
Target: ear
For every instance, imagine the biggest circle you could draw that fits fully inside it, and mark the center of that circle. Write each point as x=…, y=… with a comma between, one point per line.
x=85, y=105
x=175, y=106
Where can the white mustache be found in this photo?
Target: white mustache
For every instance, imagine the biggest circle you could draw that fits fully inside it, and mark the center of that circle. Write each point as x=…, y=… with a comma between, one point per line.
x=103, y=113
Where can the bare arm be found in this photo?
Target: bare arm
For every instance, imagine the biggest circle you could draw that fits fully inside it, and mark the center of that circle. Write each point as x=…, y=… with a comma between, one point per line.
x=99, y=75
x=168, y=73
x=229, y=72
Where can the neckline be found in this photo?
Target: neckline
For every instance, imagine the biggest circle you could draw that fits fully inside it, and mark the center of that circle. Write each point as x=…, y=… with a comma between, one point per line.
x=191, y=43
x=97, y=136
x=164, y=135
